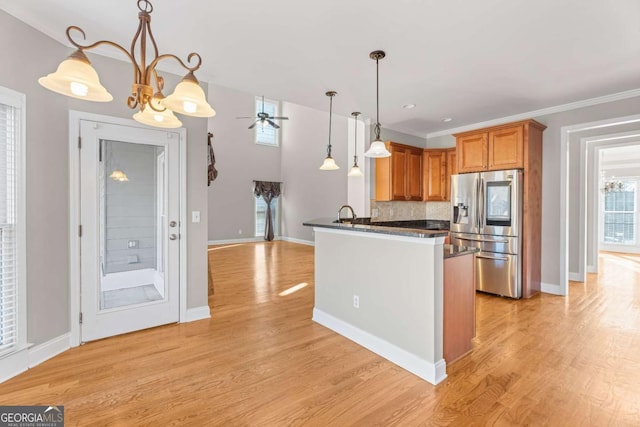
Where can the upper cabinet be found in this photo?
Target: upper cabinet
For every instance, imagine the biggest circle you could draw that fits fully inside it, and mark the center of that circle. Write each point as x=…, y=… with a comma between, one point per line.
x=399, y=177
x=435, y=175
x=439, y=165
x=496, y=148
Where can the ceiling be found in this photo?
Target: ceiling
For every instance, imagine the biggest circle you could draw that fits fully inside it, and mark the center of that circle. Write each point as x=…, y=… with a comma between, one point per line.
x=472, y=61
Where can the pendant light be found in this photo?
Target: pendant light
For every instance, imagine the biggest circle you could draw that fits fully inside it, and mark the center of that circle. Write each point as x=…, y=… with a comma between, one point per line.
x=329, y=164
x=355, y=170
x=75, y=77
x=377, y=148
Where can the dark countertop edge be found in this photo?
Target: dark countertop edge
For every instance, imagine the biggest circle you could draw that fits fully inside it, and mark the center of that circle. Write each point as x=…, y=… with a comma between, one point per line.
x=396, y=231
x=451, y=251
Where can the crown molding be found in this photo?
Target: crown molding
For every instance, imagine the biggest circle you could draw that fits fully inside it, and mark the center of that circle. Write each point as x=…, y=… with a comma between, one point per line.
x=542, y=112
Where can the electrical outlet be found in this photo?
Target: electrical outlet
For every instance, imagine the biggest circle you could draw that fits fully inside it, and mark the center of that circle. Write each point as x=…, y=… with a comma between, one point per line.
x=390, y=212
x=374, y=212
x=356, y=301
x=240, y=231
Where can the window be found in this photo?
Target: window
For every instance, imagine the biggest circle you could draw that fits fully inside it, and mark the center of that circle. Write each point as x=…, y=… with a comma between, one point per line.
x=620, y=213
x=12, y=268
x=261, y=212
x=267, y=134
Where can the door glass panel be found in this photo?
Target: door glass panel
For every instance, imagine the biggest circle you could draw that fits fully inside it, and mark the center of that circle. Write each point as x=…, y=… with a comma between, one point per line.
x=498, y=203
x=132, y=224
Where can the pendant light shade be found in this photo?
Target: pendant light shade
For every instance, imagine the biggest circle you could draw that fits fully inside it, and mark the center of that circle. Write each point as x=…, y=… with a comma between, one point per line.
x=329, y=164
x=188, y=99
x=355, y=169
x=118, y=175
x=75, y=77
x=377, y=148
x=162, y=119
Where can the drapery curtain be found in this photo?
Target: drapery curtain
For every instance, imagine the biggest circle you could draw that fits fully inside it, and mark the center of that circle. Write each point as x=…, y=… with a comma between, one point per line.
x=212, y=173
x=268, y=191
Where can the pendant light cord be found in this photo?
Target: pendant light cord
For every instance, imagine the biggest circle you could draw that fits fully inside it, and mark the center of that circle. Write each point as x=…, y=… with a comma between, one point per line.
x=330, y=114
x=377, y=128
x=355, y=142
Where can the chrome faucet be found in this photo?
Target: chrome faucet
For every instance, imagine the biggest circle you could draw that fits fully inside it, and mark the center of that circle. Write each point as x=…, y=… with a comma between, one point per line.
x=353, y=214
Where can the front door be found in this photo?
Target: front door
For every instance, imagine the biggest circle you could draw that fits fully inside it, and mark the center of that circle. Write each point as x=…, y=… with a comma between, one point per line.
x=129, y=216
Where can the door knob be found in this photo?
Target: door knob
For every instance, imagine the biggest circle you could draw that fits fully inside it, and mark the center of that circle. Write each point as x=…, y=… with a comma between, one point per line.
x=172, y=224
x=173, y=236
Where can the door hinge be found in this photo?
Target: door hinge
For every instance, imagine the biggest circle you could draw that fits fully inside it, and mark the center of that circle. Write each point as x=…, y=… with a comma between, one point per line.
x=79, y=142
x=80, y=318
x=80, y=231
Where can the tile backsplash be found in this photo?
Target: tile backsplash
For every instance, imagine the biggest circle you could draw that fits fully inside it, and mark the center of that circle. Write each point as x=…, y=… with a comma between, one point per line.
x=398, y=211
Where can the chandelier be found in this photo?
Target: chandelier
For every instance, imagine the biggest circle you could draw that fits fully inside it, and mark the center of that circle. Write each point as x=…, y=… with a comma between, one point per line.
x=613, y=186
x=75, y=77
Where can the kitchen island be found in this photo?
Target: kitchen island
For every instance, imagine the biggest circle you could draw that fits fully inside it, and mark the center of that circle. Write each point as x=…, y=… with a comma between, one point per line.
x=382, y=287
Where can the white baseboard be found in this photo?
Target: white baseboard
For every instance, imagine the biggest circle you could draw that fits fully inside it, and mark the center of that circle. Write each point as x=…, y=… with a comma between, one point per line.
x=592, y=268
x=551, y=288
x=197, y=313
x=300, y=241
x=430, y=372
x=575, y=277
x=259, y=239
x=49, y=349
x=29, y=357
x=233, y=241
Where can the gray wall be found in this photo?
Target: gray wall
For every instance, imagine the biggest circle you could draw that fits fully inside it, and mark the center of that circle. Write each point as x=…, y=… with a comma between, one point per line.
x=130, y=207
x=443, y=141
x=309, y=192
x=395, y=136
x=28, y=55
x=239, y=161
x=551, y=178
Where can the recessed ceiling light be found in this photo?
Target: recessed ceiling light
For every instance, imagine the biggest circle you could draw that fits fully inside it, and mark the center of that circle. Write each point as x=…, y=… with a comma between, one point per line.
x=447, y=119
x=408, y=106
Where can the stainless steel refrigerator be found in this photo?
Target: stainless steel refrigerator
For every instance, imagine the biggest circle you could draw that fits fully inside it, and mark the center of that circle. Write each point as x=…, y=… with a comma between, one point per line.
x=486, y=213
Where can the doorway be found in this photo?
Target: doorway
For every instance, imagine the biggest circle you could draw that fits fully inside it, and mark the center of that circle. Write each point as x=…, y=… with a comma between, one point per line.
x=129, y=214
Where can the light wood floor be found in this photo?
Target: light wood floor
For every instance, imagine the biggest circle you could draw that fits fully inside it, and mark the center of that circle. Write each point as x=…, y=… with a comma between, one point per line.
x=260, y=360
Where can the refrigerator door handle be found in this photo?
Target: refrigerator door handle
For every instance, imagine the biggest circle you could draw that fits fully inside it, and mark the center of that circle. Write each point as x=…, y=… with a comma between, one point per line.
x=499, y=258
x=482, y=240
x=481, y=203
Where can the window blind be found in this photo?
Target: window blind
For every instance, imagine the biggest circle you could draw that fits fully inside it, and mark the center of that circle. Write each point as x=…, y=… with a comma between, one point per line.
x=9, y=125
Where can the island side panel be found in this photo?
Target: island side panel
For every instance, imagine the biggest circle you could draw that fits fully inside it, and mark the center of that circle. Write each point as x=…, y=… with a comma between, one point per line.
x=398, y=281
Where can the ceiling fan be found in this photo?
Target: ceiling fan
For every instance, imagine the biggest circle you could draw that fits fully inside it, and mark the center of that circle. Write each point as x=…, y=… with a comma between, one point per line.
x=264, y=119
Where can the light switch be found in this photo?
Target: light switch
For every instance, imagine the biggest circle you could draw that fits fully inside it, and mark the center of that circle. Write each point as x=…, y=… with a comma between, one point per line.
x=195, y=216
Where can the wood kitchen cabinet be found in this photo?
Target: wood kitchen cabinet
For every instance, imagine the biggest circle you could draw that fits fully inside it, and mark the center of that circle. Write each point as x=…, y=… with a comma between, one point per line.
x=496, y=148
x=399, y=177
x=439, y=165
x=459, y=314
x=452, y=169
x=435, y=175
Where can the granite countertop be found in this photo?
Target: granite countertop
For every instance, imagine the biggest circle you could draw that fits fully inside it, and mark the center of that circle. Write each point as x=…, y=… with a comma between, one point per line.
x=451, y=251
x=362, y=226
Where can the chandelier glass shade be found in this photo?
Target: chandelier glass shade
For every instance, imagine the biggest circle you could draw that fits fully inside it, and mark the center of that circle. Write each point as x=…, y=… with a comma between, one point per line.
x=75, y=77
x=377, y=148
x=157, y=116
